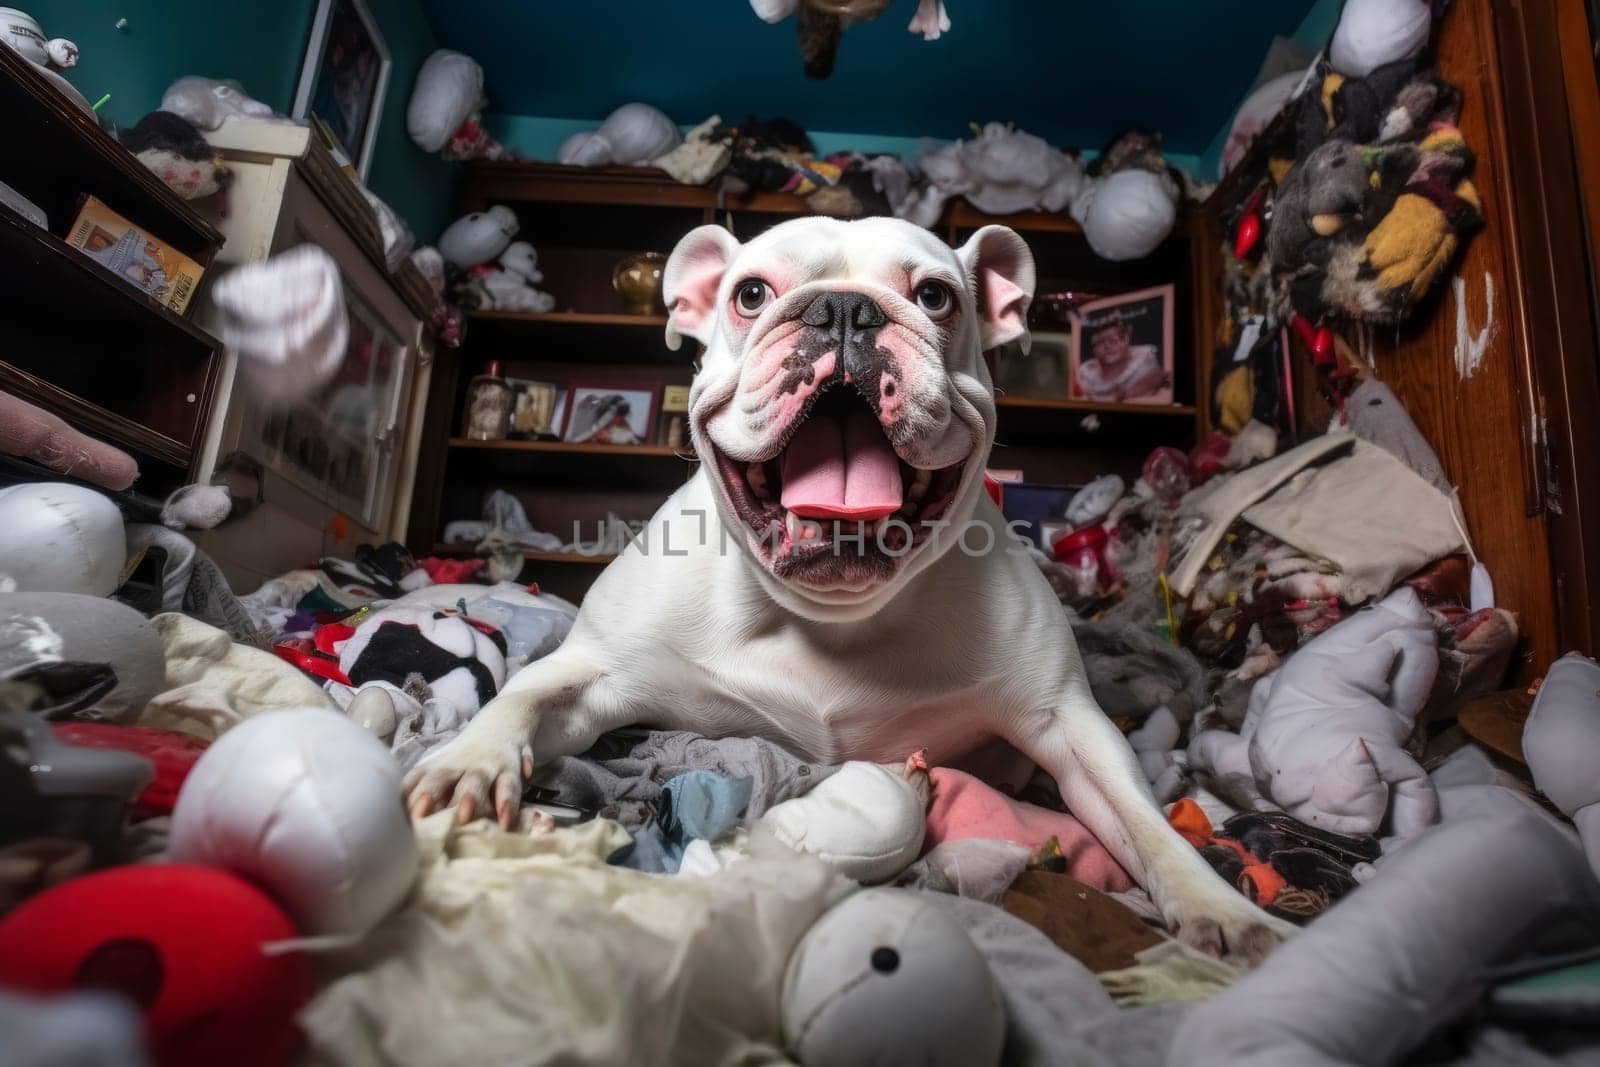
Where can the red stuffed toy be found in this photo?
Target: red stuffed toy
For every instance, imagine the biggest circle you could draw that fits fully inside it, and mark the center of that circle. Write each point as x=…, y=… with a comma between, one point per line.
x=184, y=944
x=172, y=754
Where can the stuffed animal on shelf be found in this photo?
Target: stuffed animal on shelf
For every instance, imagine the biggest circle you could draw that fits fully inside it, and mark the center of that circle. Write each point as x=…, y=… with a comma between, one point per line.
x=173, y=150
x=27, y=39
x=508, y=285
x=632, y=135
x=1324, y=735
x=478, y=237
x=1001, y=171
x=209, y=102
x=1131, y=203
x=302, y=803
x=887, y=977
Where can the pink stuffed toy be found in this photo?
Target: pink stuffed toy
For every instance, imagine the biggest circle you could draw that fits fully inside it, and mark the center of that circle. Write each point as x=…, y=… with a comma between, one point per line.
x=33, y=433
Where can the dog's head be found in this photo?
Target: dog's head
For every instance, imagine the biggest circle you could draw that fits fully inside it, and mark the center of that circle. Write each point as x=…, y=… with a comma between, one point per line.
x=843, y=407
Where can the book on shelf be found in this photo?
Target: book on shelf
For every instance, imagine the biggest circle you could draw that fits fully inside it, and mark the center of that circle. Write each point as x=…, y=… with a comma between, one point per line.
x=134, y=255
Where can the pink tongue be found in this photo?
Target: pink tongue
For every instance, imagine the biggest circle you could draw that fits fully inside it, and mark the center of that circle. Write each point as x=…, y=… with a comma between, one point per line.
x=841, y=470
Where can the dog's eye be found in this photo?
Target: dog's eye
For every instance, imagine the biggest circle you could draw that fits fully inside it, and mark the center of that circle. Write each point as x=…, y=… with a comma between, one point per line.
x=750, y=296
x=935, y=299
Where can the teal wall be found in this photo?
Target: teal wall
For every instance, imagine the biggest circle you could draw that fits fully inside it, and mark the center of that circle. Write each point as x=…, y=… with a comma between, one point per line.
x=262, y=44
x=1314, y=31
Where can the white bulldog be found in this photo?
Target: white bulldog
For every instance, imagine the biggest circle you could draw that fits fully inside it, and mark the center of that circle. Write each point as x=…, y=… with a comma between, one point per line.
x=834, y=576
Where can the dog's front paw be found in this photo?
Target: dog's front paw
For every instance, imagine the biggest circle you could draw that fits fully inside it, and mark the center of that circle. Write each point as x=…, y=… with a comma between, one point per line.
x=466, y=773
x=1212, y=917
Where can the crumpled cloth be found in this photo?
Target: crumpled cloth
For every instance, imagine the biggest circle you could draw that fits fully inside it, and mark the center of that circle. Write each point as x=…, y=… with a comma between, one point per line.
x=214, y=682
x=1336, y=497
x=504, y=522
x=530, y=949
x=698, y=806
x=962, y=806
x=1408, y=951
x=191, y=582
x=623, y=775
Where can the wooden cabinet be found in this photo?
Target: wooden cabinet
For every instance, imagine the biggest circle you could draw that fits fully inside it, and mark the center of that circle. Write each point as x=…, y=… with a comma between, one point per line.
x=339, y=463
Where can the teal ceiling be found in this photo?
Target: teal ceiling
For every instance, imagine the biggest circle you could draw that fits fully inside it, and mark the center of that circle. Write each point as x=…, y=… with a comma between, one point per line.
x=1072, y=71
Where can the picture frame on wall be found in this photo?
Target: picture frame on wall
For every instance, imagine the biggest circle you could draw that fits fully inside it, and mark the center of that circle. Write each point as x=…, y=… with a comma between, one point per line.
x=1122, y=348
x=1044, y=372
x=605, y=414
x=345, y=77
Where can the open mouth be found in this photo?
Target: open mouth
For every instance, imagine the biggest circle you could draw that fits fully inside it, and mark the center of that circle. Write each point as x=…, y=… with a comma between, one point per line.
x=837, y=503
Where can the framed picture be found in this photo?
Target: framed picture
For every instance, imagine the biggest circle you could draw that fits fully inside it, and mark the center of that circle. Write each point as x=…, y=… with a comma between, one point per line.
x=345, y=76
x=674, y=428
x=609, y=414
x=1046, y=371
x=1122, y=348
x=537, y=409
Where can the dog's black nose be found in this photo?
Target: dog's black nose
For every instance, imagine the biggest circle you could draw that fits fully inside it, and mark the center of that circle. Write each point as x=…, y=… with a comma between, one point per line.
x=835, y=311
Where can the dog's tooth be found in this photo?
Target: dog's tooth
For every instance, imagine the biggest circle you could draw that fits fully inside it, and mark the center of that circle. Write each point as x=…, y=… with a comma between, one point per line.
x=791, y=523
x=919, y=485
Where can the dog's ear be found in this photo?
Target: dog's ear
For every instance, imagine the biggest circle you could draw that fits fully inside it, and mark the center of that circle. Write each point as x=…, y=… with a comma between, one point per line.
x=1001, y=269
x=689, y=284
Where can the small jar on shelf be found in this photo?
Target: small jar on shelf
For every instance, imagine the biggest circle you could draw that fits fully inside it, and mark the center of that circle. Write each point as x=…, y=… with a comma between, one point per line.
x=488, y=413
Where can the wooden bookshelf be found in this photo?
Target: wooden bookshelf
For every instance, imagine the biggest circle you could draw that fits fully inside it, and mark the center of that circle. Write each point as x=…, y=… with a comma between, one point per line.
x=76, y=339
x=598, y=559
x=584, y=220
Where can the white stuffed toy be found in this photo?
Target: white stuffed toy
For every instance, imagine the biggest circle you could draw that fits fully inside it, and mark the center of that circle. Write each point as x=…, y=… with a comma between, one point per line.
x=509, y=286
x=56, y=537
x=1131, y=206
x=1372, y=33
x=285, y=319
x=1001, y=171
x=632, y=135
x=207, y=103
x=1561, y=742
x=867, y=820
x=448, y=92
x=479, y=236
x=886, y=976
x=1324, y=735
x=302, y=803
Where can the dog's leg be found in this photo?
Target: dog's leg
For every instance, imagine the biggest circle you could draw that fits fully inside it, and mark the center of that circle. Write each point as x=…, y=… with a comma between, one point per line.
x=541, y=713
x=1102, y=785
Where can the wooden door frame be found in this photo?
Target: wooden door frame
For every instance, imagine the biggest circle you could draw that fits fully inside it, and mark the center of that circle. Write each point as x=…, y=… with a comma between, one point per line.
x=1551, y=114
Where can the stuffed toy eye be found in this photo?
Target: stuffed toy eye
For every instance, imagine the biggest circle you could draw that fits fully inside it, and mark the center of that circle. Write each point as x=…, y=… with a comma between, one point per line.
x=935, y=299
x=751, y=296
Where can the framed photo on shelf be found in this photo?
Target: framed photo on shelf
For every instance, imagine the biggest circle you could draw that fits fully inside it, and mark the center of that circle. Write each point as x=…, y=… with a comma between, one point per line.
x=604, y=414
x=345, y=77
x=674, y=428
x=537, y=409
x=1046, y=371
x=1122, y=348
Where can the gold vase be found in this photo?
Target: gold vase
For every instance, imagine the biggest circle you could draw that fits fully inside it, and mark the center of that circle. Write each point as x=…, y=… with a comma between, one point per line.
x=637, y=279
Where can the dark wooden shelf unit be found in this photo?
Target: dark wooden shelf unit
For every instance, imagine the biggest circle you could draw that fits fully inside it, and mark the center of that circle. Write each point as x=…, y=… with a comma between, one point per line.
x=583, y=221
x=77, y=340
